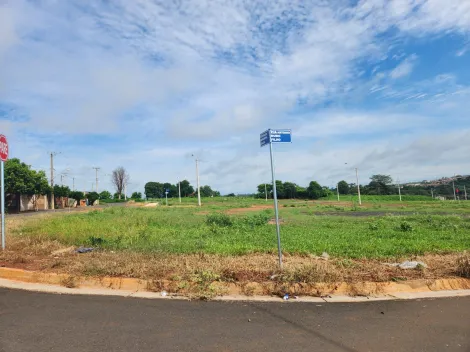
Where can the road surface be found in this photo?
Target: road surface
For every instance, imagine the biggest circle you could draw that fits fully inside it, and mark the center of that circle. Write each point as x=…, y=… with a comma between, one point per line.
x=44, y=322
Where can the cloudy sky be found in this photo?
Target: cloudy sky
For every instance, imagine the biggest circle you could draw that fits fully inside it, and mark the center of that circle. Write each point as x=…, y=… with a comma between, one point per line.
x=382, y=85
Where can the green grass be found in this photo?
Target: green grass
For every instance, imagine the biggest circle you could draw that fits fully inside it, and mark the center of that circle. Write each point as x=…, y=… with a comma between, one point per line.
x=182, y=230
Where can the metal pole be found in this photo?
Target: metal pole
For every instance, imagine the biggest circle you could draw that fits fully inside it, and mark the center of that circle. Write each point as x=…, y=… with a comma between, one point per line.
x=198, y=187
x=2, y=171
x=52, y=181
x=96, y=176
x=453, y=186
x=337, y=190
x=358, y=188
x=399, y=190
x=432, y=193
x=125, y=191
x=179, y=190
x=465, y=190
x=266, y=191
x=276, y=211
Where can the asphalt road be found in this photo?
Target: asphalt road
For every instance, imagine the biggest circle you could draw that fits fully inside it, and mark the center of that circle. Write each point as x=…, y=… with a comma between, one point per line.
x=44, y=322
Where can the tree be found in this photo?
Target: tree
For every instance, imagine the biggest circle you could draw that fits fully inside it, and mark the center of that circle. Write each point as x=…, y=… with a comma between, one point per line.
x=380, y=183
x=280, y=190
x=77, y=195
x=120, y=178
x=290, y=190
x=186, y=188
x=314, y=190
x=20, y=179
x=136, y=195
x=343, y=187
x=154, y=190
x=206, y=191
x=106, y=195
x=61, y=191
x=92, y=197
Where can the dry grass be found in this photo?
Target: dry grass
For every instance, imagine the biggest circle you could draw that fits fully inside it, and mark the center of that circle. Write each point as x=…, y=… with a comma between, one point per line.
x=463, y=266
x=205, y=276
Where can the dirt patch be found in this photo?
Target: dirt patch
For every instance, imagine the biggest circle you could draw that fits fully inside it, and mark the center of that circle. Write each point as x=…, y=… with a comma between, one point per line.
x=253, y=208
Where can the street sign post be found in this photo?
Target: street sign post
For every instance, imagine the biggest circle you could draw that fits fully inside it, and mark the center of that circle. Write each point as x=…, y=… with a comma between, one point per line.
x=3, y=158
x=271, y=137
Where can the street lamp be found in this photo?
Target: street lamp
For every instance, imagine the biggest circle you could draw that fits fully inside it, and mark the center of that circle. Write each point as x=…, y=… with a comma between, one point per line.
x=197, y=180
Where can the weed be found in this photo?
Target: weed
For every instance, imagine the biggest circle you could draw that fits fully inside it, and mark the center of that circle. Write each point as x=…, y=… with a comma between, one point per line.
x=406, y=227
x=463, y=266
x=69, y=281
x=219, y=219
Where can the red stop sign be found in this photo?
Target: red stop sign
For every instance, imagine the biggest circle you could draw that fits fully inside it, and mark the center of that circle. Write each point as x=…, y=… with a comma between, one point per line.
x=3, y=148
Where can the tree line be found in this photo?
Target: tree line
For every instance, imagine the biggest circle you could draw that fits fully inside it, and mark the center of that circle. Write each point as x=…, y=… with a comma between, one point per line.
x=290, y=190
x=20, y=178
x=158, y=190
x=378, y=185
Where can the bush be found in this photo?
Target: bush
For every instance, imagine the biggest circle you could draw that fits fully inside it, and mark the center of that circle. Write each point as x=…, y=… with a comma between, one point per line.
x=219, y=219
x=406, y=227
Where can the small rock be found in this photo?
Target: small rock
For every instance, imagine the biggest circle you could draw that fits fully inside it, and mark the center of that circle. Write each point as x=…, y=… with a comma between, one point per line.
x=325, y=256
x=82, y=250
x=164, y=293
x=249, y=320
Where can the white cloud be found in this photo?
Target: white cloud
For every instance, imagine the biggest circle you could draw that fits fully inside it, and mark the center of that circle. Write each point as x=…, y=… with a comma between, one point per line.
x=206, y=75
x=404, y=68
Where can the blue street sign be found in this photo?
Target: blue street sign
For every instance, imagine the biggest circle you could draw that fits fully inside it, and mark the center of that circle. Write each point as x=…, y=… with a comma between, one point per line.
x=280, y=136
x=275, y=136
x=264, y=138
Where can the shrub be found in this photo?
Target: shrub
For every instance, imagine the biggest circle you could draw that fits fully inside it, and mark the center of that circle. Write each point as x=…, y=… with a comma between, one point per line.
x=219, y=219
x=406, y=226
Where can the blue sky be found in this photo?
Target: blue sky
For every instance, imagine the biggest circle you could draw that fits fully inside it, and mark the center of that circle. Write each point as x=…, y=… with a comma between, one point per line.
x=381, y=85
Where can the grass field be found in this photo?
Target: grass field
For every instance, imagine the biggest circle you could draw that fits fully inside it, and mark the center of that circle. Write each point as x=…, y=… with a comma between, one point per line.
x=200, y=252
x=186, y=230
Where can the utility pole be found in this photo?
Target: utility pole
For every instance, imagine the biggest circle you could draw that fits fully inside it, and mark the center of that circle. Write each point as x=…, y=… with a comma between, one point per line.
x=198, y=186
x=399, y=189
x=52, y=179
x=432, y=193
x=337, y=190
x=465, y=190
x=453, y=186
x=125, y=186
x=73, y=184
x=179, y=191
x=266, y=192
x=358, y=188
x=96, y=172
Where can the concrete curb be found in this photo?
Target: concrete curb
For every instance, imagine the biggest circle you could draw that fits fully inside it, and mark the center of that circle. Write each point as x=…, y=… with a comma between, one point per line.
x=128, y=287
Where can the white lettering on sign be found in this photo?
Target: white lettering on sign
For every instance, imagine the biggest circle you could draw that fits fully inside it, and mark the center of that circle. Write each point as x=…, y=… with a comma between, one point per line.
x=3, y=148
x=280, y=132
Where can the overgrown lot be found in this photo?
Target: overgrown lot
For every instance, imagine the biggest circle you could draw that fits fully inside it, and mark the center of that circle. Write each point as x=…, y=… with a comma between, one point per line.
x=185, y=231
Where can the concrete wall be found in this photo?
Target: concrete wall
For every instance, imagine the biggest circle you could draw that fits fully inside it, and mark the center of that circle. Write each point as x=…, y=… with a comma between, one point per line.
x=28, y=203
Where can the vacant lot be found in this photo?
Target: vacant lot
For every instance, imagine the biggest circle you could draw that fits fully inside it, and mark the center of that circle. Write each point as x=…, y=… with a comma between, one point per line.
x=183, y=231
x=236, y=242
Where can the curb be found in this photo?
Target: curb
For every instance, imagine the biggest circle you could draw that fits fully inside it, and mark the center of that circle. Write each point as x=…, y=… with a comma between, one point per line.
x=128, y=287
